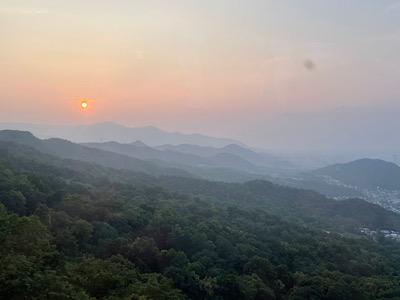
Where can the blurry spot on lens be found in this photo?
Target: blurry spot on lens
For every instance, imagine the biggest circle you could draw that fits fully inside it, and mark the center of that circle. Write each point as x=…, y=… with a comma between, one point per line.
x=309, y=65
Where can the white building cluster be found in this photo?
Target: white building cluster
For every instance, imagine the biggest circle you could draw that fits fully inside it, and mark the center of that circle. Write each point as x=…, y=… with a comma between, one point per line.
x=390, y=234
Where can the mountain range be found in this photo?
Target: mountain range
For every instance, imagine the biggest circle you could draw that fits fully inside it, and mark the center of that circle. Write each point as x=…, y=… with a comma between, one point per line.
x=68, y=150
x=57, y=157
x=109, y=131
x=141, y=158
x=230, y=163
x=75, y=229
x=231, y=156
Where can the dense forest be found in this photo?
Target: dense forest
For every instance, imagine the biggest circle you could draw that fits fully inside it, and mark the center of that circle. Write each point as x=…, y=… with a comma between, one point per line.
x=77, y=230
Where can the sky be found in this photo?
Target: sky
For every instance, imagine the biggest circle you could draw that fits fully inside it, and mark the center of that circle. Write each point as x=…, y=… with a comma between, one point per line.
x=274, y=74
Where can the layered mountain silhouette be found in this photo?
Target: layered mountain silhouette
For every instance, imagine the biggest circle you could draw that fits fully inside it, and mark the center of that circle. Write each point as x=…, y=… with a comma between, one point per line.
x=259, y=159
x=304, y=206
x=122, y=156
x=68, y=150
x=213, y=157
x=109, y=131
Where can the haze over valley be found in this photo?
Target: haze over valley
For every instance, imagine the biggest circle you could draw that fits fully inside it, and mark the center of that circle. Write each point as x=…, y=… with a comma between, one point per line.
x=374, y=180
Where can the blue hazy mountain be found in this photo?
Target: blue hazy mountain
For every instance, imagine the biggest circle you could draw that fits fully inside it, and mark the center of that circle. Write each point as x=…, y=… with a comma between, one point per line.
x=68, y=150
x=140, y=150
x=118, y=156
x=259, y=159
x=365, y=173
x=109, y=131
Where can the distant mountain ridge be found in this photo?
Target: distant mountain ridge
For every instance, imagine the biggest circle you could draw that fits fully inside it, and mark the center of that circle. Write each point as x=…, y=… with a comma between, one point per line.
x=231, y=156
x=68, y=150
x=109, y=131
x=115, y=155
x=365, y=173
x=259, y=159
x=142, y=151
x=302, y=205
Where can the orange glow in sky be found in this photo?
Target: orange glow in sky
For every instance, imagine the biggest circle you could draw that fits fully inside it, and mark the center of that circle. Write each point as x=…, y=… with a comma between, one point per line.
x=184, y=66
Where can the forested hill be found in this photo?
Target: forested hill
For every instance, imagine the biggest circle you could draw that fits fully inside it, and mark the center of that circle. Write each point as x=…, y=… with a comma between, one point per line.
x=304, y=206
x=365, y=173
x=76, y=230
x=156, y=166
x=66, y=149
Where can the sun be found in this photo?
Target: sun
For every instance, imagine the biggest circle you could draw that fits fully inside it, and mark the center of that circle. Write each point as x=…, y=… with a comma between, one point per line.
x=84, y=104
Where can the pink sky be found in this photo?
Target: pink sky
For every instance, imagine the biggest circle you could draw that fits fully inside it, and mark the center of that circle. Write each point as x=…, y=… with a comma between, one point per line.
x=211, y=67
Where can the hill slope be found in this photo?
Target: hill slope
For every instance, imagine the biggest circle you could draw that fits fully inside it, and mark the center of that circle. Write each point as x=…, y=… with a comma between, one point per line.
x=305, y=206
x=66, y=149
x=365, y=173
x=220, y=160
x=78, y=236
x=175, y=166
x=142, y=151
x=259, y=159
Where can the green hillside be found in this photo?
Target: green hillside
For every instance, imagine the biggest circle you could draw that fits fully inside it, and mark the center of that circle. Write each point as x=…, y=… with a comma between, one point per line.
x=120, y=160
x=76, y=230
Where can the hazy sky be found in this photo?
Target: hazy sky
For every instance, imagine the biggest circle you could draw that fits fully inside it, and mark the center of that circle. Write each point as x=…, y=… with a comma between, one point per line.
x=231, y=68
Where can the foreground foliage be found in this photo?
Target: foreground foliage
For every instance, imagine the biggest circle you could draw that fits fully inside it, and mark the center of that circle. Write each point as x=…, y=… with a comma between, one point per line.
x=69, y=235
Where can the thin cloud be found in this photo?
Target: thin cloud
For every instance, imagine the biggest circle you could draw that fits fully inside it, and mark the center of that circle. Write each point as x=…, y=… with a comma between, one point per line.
x=274, y=60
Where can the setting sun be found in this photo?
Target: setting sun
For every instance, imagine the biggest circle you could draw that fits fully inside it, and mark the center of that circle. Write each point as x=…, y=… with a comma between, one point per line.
x=84, y=104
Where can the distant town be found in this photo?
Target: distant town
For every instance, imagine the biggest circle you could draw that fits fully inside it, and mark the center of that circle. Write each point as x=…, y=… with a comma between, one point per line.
x=390, y=200
x=394, y=235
